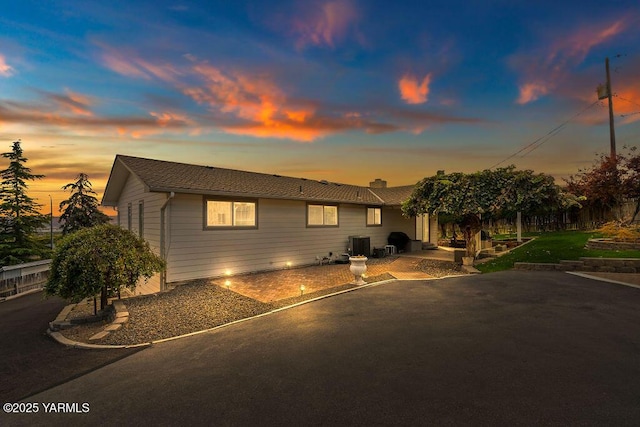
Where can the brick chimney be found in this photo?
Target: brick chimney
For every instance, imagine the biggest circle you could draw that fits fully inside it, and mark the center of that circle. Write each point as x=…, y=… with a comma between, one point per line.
x=378, y=183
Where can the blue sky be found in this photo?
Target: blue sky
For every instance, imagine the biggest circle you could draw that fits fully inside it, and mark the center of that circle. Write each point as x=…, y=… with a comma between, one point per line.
x=341, y=90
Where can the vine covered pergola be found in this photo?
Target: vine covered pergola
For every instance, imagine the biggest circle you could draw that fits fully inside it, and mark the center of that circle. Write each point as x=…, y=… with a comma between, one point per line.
x=488, y=194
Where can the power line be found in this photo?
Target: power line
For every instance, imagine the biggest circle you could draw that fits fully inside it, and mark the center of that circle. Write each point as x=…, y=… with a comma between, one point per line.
x=630, y=102
x=550, y=135
x=625, y=99
x=543, y=139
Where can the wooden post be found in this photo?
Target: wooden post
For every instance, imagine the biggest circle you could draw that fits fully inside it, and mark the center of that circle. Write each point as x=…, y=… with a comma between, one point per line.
x=519, y=226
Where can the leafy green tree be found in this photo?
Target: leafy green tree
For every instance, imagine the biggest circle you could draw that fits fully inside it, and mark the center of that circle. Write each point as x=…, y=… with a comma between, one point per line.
x=488, y=194
x=100, y=259
x=19, y=213
x=80, y=210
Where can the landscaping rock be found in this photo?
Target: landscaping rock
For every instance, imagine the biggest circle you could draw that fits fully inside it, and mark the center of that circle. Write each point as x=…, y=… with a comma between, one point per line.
x=100, y=335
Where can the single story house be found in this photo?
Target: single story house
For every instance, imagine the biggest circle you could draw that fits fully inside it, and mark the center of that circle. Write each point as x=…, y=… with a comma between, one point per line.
x=209, y=222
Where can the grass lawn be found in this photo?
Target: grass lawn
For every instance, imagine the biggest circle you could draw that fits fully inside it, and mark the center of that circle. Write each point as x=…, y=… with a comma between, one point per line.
x=553, y=247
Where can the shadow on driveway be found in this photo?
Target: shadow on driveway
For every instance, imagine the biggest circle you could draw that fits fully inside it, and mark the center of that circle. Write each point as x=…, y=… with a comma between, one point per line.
x=31, y=360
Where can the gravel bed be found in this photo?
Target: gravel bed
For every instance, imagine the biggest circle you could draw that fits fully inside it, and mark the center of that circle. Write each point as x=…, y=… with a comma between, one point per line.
x=83, y=309
x=185, y=309
x=439, y=268
x=202, y=305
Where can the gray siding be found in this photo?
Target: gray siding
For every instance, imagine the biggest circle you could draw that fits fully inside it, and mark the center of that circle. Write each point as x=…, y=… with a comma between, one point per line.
x=282, y=236
x=133, y=192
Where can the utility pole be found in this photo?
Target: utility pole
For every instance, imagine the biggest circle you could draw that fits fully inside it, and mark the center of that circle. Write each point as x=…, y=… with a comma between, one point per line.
x=605, y=92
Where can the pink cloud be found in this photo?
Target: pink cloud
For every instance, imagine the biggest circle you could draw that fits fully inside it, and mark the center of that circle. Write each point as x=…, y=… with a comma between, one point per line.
x=624, y=102
x=161, y=123
x=531, y=91
x=47, y=115
x=325, y=25
x=131, y=65
x=256, y=106
x=5, y=69
x=544, y=71
x=246, y=103
x=576, y=46
x=72, y=102
x=626, y=109
x=413, y=92
x=248, y=97
x=261, y=105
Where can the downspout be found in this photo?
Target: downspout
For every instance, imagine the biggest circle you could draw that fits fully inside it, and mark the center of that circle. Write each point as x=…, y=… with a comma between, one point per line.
x=163, y=239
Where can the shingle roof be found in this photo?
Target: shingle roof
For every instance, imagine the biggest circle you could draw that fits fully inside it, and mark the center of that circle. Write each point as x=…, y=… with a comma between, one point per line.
x=164, y=176
x=394, y=195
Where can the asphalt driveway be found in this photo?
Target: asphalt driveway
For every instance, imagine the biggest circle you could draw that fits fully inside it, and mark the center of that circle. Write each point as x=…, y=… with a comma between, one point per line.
x=30, y=360
x=510, y=348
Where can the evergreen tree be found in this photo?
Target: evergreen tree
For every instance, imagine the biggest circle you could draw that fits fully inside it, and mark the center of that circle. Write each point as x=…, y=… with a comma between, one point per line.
x=19, y=213
x=80, y=210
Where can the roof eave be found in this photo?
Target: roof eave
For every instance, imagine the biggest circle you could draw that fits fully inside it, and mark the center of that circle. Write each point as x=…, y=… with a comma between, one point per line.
x=261, y=196
x=117, y=179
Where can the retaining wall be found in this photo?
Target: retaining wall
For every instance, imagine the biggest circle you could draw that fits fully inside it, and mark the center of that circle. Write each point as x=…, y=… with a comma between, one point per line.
x=608, y=244
x=608, y=265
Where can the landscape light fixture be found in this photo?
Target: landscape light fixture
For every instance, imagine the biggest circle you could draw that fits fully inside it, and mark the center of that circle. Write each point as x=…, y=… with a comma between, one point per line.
x=227, y=283
x=301, y=290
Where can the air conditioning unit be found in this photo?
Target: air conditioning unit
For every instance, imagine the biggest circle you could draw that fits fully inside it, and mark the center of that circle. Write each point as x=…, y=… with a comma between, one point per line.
x=360, y=245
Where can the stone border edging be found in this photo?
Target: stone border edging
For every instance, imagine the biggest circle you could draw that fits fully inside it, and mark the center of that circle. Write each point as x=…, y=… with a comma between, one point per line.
x=77, y=344
x=118, y=318
x=61, y=321
x=470, y=269
x=603, y=265
x=610, y=244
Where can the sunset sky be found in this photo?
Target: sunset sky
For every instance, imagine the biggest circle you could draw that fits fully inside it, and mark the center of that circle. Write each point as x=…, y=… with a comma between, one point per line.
x=344, y=90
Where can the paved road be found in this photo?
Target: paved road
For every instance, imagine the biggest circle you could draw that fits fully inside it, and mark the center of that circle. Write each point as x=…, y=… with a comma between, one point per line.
x=498, y=349
x=30, y=360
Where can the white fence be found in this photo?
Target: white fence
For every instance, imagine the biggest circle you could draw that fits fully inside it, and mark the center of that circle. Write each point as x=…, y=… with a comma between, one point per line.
x=15, y=279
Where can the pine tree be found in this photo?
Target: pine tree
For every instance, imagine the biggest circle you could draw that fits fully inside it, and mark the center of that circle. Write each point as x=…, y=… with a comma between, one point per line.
x=80, y=210
x=19, y=213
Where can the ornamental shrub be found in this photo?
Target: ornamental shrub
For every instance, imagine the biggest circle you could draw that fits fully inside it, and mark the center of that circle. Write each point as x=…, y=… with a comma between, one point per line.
x=620, y=231
x=95, y=260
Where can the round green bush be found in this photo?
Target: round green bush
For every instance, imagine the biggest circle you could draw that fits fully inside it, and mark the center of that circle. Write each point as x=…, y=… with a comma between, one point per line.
x=90, y=261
